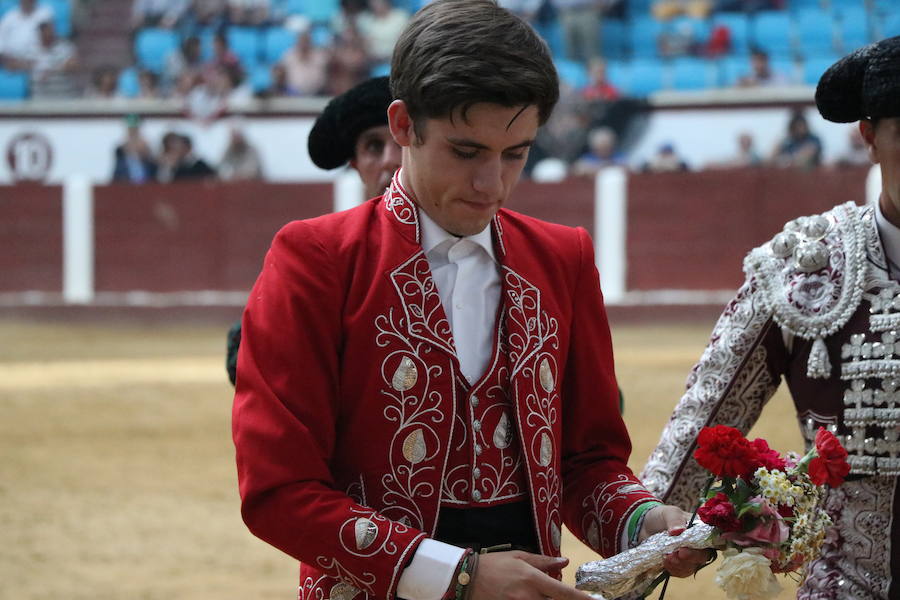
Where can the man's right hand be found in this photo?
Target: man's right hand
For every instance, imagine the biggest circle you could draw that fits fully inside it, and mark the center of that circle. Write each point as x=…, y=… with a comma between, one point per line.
x=519, y=575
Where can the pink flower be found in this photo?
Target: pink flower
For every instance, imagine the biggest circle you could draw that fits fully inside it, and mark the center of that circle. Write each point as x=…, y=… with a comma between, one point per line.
x=770, y=529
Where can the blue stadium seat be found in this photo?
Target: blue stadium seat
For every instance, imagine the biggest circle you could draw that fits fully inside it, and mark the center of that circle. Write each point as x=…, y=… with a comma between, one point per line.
x=277, y=41
x=13, y=85
x=553, y=35
x=380, y=70
x=645, y=77
x=773, y=32
x=644, y=35
x=152, y=46
x=260, y=75
x=890, y=25
x=127, y=84
x=317, y=11
x=813, y=67
x=572, y=72
x=6, y=5
x=815, y=33
x=614, y=39
x=739, y=26
x=245, y=43
x=854, y=27
x=617, y=72
x=801, y=6
x=690, y=73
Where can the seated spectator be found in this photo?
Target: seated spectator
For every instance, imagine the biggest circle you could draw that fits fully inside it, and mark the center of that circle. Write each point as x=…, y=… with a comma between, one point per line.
x=251, y=13
x=350, y=12
x=104, y=83
x=20, y=38
x=305, y=66
x=222, y=54
x=219, y=88
x=210, y=14
x=349, y=62
x=278, y=86
x=178, y=161
x=599, y=89
x=580, y=22
x=602, y=152
x=167, y=14
x=53, y=67
x=666, y=160
x=800, y=148
x=526, y=9
x=680, y=40
x=134, y=162
x=857, y=153
x=184, y=59
x=761, y=73
x=564, y=136
x=241, y=160
x=148, y=84
x=381, y=25
x=664, y=10
x=746, y=156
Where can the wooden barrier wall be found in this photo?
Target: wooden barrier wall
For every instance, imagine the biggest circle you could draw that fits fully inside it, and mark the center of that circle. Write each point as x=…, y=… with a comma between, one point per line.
x=684, y=230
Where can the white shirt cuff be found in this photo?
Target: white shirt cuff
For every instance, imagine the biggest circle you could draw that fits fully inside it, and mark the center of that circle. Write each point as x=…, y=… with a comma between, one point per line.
x=428, y=575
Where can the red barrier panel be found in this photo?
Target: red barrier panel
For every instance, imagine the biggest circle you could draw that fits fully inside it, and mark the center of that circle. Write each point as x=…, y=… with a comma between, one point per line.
x=692, y=230
x=30, y=238
x=569, y=202
x=193, y=236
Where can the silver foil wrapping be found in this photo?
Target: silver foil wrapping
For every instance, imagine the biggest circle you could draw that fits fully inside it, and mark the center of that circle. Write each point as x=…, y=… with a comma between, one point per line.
x=635, y=569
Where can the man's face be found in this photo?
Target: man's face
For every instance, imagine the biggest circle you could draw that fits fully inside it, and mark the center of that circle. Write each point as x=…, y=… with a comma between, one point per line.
x=883, y=142
x=462, y=171
x=375, y=157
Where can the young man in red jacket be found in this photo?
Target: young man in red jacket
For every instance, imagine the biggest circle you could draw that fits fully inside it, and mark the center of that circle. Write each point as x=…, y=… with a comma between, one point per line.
x=430, y=375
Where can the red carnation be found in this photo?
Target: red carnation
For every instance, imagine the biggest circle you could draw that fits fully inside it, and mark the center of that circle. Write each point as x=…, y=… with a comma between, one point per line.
x=724, y=452
x=830, y=465
x=768, y=458
x=718, y=511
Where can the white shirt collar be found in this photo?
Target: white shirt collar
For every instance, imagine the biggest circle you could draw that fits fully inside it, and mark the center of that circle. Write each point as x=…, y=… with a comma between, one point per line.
x=889, y=234
x=433, y=235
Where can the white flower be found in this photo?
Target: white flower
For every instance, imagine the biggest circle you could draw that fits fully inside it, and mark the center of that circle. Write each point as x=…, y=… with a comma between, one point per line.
x=747, y=575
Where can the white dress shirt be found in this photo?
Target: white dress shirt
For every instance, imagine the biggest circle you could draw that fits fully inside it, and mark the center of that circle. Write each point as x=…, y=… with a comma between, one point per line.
x=890, y=239
x=466, y=274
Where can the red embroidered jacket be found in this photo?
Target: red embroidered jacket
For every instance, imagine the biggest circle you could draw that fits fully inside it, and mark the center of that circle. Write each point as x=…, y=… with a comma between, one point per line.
x=348, y=391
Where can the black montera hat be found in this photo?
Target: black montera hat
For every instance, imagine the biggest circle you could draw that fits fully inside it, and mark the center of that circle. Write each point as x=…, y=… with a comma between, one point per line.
x=864, y=84
x=333, y=137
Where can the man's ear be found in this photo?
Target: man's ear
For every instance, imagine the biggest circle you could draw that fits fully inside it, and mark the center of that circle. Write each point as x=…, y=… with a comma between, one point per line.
x=400, y=123
x=867, y=131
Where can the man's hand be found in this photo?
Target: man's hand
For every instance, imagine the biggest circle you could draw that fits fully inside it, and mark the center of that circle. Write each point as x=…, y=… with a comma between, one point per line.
x=521, y=576
x=684, y=561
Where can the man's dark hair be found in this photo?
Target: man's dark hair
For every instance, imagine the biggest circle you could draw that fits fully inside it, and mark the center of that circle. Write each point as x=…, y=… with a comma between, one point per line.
x=456, y=53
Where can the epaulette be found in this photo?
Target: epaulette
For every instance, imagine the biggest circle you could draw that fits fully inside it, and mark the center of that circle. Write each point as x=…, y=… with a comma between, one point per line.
x=811, y=277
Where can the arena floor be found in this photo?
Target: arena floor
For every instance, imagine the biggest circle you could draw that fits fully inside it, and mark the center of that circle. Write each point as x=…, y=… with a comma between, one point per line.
x=117, y=478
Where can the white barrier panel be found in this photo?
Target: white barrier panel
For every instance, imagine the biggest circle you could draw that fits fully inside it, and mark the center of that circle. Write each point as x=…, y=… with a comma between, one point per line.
x=610, y=202
x=78, y=240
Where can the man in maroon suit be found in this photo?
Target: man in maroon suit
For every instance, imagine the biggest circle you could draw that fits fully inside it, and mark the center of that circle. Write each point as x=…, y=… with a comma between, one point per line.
x=430, y=375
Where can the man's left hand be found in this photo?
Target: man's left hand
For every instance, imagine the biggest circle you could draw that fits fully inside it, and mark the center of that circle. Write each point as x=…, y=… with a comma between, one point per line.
x=684, y=561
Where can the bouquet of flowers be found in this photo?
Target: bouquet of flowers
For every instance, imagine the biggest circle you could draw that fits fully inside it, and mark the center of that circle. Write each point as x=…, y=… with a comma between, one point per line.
x=764, y=507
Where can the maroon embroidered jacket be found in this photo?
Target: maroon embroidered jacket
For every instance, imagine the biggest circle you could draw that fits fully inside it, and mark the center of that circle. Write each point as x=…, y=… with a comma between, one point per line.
x=349, y=394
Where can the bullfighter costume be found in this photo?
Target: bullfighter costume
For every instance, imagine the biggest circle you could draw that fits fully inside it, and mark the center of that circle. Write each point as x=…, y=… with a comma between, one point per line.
x=357, y=432
x=820, y=307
